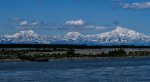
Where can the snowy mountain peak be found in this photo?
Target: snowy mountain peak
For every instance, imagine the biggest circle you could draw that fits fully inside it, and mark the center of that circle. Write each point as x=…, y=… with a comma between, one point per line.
x=27, y=33
x=72, y=35
x=129, y=33
x=121, y=29
x=30, y=32
x=27, y=36
x=122, y=32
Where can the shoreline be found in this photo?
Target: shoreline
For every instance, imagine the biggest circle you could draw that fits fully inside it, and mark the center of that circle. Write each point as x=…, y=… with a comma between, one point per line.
x=73, y=58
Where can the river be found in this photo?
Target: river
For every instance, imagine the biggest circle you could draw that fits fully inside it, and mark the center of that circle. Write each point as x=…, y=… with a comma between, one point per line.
x=95, y=70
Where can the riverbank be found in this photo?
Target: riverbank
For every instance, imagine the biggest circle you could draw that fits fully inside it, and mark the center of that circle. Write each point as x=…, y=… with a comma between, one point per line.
x=13, y=60
x=73, y=58
x=46, y=60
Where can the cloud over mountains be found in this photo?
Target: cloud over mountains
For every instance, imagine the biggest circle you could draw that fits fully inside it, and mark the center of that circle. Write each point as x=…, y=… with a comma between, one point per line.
x=79, y=22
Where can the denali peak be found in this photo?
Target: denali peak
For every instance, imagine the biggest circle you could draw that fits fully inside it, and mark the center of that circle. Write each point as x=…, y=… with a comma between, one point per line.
x=123, y=32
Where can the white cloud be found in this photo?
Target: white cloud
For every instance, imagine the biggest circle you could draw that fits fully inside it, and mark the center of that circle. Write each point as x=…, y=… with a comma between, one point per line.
x=69, y=25
x=24, y=23
x=35, y=23
x=79, y=22
x=136, y=5
x=80, y=25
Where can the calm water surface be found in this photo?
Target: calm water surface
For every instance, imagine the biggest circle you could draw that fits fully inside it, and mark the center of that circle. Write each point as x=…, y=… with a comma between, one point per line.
x=98, y=70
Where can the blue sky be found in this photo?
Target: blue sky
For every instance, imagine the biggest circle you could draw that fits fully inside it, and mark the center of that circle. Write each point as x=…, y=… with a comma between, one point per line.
x=52, y=17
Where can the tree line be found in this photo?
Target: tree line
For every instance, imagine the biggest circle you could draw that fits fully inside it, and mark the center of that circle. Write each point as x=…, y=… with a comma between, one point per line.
x=68, y=46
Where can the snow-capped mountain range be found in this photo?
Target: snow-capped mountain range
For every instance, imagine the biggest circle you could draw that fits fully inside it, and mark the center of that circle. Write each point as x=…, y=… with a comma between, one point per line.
x=119, y=36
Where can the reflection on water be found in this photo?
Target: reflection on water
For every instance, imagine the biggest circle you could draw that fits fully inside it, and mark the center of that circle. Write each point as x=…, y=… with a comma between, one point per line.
x=98, y=70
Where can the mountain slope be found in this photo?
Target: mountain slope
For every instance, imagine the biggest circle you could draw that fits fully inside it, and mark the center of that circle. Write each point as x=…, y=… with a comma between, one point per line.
x=27, y=36
x=122, y=36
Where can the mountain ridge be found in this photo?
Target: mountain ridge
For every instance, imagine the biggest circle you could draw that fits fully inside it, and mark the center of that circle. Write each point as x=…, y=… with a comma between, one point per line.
x=118, y=36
